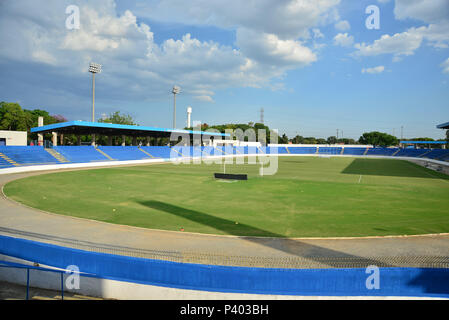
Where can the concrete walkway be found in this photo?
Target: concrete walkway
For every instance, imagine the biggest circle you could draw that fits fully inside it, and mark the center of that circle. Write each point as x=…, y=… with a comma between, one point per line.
x=414, y=251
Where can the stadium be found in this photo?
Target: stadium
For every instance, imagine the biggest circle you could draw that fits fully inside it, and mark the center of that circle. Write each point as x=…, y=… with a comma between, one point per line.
x=153, y=222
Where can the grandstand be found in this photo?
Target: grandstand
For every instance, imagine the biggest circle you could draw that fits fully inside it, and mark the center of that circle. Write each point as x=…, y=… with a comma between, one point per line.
x=12, y=156
x=18, y=156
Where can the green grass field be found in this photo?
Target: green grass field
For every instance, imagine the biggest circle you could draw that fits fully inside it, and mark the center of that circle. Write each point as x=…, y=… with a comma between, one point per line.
x=308, y=197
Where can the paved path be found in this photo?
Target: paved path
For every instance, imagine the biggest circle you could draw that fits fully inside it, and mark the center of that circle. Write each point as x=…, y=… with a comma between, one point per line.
x=416, y=251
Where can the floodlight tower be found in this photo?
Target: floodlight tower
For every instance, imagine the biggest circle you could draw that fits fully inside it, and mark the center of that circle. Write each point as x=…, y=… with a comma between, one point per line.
x=94, y=68
x=189, y=113
x=175, y=91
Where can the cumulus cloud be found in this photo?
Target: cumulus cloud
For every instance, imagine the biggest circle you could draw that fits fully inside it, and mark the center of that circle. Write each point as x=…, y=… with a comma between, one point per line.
x=445, y=66
x=429, y=11
x=269, y=49
x=286, y=19
x=436, y=33
x=344, y=40
x=342, y=25
x=404, y=43
x=374, y=70
x=271, y=38
x=317, y=34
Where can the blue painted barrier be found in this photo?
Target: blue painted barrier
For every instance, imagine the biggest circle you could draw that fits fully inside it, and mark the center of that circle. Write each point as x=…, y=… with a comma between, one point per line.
x=423, y=282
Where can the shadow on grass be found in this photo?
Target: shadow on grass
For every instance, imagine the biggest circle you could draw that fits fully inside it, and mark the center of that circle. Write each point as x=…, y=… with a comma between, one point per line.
x=265, y=237
x=225, y=225
x=390, y=167
x=431, y=280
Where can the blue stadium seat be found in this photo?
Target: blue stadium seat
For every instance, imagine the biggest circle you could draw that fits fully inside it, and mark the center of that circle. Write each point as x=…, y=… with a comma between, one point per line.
x=411, y=152
x=438, y=154
x=158, y=151
x=329, y=150
x=27, y=155
x=80, y=154
x=279, y=150
x=381, y=151
x=354, y=151
x=302, y=150
x=124, y=152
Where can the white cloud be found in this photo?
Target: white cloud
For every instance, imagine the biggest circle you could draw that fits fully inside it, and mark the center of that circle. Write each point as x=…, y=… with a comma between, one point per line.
x=342, y=25
x=271, y=38
x=268, y=49
x=445, y=66
x=436, y=33
x=344, y=40
x=374, y=70
x=425, y=10
x=286, y=19
x=404, y=43
x=317, y=34
x=204, y=98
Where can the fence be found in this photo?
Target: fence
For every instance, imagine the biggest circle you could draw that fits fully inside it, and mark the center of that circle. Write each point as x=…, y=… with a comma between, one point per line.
x=420, y=282
x=12, y=265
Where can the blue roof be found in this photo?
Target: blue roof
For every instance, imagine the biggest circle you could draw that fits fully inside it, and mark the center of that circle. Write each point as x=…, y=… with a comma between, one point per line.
x=99, y=125
x=426, y=142
x=443, y=126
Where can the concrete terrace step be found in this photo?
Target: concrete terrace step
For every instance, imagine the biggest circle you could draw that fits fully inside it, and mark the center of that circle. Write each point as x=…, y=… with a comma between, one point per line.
x=103, y=153
x=147, y=153
x=57, y=155
x=8, y=159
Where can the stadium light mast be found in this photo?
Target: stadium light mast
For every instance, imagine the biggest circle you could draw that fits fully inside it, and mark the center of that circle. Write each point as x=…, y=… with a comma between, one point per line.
x=175, y=91
x=94, y=68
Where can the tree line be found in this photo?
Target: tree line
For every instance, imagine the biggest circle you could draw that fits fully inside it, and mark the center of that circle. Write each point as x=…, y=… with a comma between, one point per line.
x=14, y=117
x=375, y=138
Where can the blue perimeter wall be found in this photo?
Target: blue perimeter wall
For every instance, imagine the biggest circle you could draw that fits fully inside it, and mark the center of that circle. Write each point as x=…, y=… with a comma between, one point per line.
x=422, y=282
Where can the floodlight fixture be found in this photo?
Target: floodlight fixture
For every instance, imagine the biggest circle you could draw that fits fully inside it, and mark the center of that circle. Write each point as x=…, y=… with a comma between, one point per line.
x=95, y=67
x=176, y=90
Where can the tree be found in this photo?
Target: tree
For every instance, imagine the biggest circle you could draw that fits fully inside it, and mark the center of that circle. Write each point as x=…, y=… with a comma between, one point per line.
x=283, y=139
x=12, y=117
x=297, y=140
x=309, y=140
x=376, y=138
x=346, y=141
x=118, y=118
x=332, y=140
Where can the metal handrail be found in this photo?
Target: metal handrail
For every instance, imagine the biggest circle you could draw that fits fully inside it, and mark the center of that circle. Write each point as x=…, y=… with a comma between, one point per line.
x=6, y=264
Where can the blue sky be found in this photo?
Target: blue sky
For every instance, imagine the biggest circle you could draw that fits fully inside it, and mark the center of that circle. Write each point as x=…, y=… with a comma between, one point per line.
x=312, y=65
